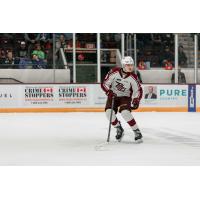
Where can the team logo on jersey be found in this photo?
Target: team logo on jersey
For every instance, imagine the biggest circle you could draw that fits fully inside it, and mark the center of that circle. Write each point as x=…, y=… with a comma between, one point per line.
x=120, y=86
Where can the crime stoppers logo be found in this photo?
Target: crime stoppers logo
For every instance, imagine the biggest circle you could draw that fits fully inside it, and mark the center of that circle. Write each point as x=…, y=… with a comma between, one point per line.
x=73, y=94
x=39, y=94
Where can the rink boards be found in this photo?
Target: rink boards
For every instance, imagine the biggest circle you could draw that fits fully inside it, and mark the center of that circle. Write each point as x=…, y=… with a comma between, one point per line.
x=90, y=98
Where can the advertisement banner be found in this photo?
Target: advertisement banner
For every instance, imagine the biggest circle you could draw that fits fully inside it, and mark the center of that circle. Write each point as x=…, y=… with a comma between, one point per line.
x=165, y=95
x=153, y=96
x=9, y=96
x=191, y=98
x=38, y=95
x=92, y=96
x=99, y=96
x=198, y=97
x=73, y=95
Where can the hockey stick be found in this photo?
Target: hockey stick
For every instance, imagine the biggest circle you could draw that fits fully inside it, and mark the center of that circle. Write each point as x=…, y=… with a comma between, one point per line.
x=103, y=146
x=110, y=122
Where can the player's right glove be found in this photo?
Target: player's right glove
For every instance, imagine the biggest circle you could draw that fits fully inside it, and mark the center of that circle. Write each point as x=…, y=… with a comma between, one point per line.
x=135, y=104
x=110, y=94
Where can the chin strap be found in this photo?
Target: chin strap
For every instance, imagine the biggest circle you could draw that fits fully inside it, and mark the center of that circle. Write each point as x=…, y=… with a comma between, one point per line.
x=124, y=71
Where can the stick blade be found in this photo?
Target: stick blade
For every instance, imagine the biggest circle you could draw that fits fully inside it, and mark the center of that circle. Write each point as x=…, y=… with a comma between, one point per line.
x=102, y=147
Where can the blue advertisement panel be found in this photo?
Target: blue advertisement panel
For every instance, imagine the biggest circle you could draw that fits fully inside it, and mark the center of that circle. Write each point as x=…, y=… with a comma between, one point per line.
x=191, y=98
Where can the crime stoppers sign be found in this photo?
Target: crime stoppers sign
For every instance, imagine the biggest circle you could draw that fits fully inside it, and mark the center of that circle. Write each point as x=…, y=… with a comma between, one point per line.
x=55, y=96
x=71, y=95
x=39, y=95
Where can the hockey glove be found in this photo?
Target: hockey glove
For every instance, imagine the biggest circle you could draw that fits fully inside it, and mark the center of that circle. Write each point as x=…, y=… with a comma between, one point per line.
x=135, y=104
x=111, y=94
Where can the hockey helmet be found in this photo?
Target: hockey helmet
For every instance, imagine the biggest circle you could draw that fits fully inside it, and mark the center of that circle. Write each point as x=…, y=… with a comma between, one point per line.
x=127, y=60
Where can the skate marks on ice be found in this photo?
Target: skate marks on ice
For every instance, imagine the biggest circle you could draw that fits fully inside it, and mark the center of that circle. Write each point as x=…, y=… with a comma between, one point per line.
x=105, y=146
x=166, y=135
x=109, y=146
x=128, y=139
x=182, y=137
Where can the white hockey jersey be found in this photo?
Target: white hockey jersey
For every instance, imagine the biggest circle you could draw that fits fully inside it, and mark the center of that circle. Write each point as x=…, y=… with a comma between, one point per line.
x=122, y=84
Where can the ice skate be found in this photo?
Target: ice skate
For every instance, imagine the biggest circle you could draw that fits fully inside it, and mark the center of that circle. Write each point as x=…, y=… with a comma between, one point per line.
x=138, y=136
x=120, y=133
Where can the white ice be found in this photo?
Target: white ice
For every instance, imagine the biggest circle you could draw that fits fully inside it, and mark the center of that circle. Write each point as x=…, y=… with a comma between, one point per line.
x=71, y=138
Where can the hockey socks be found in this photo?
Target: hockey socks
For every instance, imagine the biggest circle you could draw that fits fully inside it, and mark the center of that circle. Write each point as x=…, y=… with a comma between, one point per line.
x=126, y=114
x=116, y=124
x=115, y=121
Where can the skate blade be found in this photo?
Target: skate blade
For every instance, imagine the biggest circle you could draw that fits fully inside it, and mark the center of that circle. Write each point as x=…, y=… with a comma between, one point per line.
x=138, y=141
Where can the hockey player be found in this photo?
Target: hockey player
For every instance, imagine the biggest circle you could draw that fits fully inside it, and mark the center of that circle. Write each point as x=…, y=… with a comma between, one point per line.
x=123, y=86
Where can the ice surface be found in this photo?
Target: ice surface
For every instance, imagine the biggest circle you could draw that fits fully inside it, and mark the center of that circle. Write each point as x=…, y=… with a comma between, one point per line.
x=71, y=138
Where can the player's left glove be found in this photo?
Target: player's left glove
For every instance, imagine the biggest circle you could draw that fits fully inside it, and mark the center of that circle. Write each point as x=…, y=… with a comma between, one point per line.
x=135, y=104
